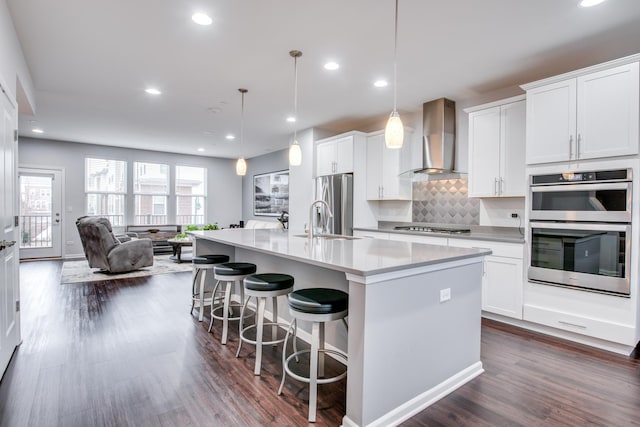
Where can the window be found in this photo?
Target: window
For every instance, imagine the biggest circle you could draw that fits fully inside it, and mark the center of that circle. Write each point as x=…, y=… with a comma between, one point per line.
x=105, y=187
x=190, y=195
x=151, y=192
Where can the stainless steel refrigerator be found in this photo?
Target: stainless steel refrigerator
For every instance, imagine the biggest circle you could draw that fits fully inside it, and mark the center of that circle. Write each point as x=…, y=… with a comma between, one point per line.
x=337, y=191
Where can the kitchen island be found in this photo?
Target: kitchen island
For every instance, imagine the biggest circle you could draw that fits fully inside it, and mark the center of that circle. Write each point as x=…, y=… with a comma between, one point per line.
x=414, y=312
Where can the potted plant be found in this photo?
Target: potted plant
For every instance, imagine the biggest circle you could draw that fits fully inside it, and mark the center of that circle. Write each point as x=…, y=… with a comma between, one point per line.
x=210, y=226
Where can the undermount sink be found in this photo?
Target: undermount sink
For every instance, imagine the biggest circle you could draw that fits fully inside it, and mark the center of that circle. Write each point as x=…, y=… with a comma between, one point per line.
x=329, y=236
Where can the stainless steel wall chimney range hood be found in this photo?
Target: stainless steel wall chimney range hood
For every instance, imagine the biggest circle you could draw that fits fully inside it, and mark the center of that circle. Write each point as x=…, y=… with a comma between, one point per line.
x=438, y=136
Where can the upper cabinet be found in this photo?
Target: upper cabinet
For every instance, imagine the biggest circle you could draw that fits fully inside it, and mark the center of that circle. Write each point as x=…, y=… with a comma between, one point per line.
x=497, y=149
x=334, y=155
x=591, y=115
x=384, y=180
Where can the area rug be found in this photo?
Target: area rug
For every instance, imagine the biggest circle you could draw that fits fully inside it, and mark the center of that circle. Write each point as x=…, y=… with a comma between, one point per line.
x=79, y=271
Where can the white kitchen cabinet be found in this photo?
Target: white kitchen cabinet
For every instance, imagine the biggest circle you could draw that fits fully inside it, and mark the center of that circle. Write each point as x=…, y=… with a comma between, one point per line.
x=334, y=156
x=383, y=171
x=503, y=276
x=497, y=149
x=584, y=115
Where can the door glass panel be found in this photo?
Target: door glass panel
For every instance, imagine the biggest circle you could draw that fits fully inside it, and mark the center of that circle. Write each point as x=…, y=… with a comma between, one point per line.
x=35, y=211
x=581, y=251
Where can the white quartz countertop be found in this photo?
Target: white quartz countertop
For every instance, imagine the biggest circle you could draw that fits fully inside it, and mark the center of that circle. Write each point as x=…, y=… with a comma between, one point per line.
x=362, y=257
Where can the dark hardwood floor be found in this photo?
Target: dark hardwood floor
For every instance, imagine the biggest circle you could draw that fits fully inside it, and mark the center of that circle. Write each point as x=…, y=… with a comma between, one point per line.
x=127, y=353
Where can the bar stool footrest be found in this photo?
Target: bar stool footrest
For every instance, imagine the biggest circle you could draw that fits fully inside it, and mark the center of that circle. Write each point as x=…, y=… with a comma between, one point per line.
x=338, y=377
x=221, y=316
x=277, y=341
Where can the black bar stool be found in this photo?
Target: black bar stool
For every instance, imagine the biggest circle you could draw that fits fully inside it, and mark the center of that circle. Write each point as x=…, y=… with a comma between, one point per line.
x=200, y=265
x=262, y=287
x=230, y=273
x=316, y=305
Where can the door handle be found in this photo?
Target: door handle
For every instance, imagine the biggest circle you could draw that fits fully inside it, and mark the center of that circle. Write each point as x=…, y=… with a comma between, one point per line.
x=578, y=146
x=570, y=147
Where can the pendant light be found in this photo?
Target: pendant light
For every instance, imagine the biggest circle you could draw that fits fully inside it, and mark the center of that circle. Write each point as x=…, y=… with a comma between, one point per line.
x=394, y=132
x=241, y=164
x=295, y=153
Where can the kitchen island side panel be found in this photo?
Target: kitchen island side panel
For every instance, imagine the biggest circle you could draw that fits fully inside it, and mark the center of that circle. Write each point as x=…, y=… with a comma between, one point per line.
x=404, y=343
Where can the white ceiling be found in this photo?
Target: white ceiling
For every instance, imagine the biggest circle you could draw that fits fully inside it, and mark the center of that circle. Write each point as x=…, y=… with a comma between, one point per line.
x=91, y=61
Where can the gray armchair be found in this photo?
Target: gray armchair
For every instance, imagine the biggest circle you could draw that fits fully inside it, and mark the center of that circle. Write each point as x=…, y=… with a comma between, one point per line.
x=103, y=250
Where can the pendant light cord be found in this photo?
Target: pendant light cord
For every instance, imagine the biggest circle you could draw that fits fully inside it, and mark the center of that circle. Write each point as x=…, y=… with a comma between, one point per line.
x=395, y=62
x=242, y=91
x=295, y=98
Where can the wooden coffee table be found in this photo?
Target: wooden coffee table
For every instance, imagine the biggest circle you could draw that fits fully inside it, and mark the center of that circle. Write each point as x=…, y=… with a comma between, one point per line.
x=177, y=246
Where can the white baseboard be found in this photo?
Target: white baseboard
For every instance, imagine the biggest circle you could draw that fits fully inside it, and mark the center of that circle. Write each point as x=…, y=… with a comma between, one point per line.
x=422, y=401
x=566, y=335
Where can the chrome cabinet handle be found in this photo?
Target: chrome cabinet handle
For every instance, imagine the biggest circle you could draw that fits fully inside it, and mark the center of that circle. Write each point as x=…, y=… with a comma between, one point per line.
x=570, y=146
x=501, y=186
x=495, y=186
x=572, y=324
x=578, y=146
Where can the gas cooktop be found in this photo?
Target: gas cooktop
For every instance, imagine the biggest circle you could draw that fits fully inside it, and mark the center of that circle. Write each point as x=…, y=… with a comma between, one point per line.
x=429, y=229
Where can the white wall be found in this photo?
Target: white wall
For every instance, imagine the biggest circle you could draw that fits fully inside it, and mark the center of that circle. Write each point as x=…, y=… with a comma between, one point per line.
x=301, y=183
x=13, y=67
x=272, y=162
x=224, y=187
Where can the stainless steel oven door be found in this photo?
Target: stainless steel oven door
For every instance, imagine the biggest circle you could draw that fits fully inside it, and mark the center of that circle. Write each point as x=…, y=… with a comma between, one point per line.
x=599, y=202
x=593, y=257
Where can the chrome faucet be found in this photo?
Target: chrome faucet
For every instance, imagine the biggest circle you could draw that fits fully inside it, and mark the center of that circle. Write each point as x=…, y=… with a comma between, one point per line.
x=311, y=222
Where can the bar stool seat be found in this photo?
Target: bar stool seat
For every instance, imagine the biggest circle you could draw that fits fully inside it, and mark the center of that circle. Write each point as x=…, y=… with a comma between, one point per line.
x=229, y=273
x=316, y=305
x=262, y=287
x=200, y=265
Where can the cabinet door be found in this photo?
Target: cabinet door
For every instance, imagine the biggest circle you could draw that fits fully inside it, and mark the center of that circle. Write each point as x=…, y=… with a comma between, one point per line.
x=375, y=145
x=503, y=286
x=551, y=122
x=484, y=152
x=344, y=155
x=608, y=112
x=326, y=155
x=512, y=146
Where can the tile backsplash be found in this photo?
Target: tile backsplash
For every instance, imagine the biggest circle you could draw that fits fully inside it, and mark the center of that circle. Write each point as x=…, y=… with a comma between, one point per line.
x=444, y=202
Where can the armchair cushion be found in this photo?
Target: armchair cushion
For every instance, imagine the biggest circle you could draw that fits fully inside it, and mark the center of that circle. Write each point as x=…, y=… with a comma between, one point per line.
x=103, y=250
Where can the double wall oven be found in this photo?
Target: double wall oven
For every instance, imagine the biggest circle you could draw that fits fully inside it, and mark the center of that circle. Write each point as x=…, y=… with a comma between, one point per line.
x=580, y=226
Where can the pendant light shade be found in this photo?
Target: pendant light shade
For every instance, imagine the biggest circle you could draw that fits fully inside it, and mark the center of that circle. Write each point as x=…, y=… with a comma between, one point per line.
x=241, y=167
x=241, y=164
x=295, y=152
x=394, y=132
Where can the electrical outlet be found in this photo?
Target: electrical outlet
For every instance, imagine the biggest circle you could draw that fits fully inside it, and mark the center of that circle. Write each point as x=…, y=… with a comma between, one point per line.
x=514, y=215
x=445, y=294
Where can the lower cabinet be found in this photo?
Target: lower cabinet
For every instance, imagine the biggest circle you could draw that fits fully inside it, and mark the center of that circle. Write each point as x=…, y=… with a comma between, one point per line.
x=503, y=270
x=503, y=276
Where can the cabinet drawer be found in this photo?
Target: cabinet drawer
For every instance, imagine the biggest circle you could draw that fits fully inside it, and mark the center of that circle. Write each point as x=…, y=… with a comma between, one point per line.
x=509, y=250
x=579, y=324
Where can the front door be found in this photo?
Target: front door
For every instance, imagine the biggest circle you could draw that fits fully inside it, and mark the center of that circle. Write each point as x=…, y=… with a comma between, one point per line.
x=9, y=280
x=40, y=214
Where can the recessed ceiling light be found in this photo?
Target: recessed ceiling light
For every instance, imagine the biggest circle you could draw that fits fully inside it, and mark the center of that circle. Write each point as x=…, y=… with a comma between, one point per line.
x=37, y=130
x=291, y=119
x=589, y=3
x=230, y=137
x=201, y=18
x=381, y=83
x=201, y=149
x=331, y=66
x=152, y=91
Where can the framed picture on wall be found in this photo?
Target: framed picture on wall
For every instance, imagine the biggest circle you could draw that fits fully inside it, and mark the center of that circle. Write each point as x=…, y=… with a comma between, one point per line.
x=271, y=193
